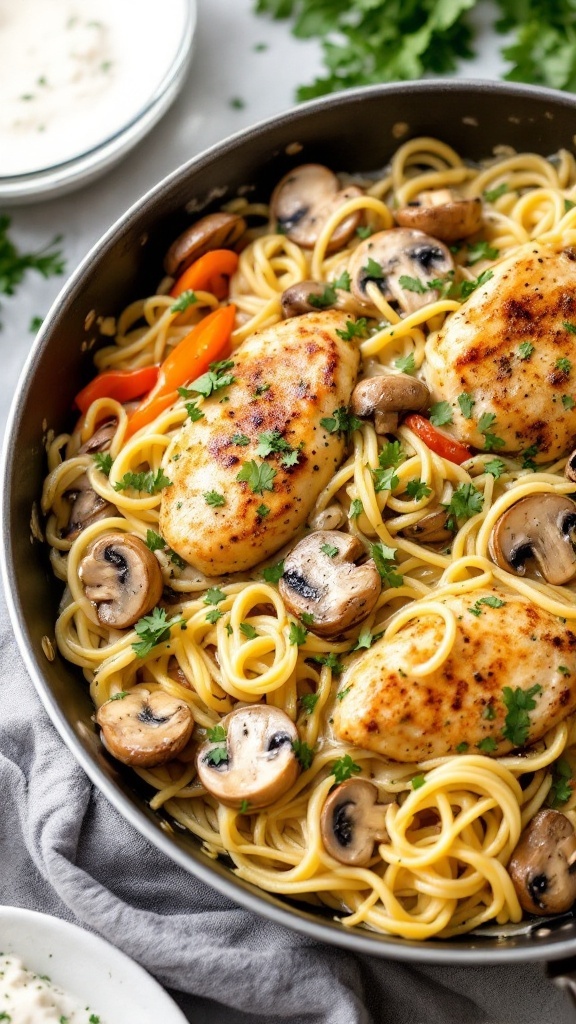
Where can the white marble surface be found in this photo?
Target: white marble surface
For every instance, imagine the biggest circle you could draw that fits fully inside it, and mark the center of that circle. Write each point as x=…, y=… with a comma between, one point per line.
x=225, y=66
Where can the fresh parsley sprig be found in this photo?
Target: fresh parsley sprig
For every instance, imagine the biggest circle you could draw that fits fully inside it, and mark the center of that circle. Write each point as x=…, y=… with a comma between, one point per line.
x=154, y=629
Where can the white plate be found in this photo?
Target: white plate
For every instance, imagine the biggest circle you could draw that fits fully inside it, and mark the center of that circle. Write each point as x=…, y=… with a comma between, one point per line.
x=115, y=988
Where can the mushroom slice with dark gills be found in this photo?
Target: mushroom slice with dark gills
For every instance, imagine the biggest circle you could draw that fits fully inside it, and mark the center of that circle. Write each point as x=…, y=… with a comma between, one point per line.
x=352, y=822
x=543, y=864
x=384, y=396
x=540, y=527
x=101, y=438
x=87, y=507
x=431, y=528
x=145, y=729
x=321, y=579
x=122, y=577
x=303, y=201
x=402, y=264
x=215, y=231
x=442, y=213
x=308, y=296
x=253, y=761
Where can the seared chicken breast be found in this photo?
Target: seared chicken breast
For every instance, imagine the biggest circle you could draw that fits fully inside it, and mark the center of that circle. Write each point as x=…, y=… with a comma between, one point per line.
x=265, y=426
x=512, y=349
x=463, y=706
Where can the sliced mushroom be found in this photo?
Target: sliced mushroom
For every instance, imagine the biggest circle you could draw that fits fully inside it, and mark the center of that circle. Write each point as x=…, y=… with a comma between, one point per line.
x=384, y=396
x=215, y=231
x=352, y=821
x=330, y=518
x=101, y=439
x=543, y=864
x=321, y=579
x=431, y=528
x=308, y=296
x=399, y=253
x=143, y=728
x=122, y=577
x=570, y=468
x=443, y=214
x=87, y=507
x=304, y=199
x=539, y=527
x=254, y=761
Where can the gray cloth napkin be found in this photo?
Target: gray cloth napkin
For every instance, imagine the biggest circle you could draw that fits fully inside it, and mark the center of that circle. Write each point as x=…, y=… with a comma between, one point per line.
x=65, y=851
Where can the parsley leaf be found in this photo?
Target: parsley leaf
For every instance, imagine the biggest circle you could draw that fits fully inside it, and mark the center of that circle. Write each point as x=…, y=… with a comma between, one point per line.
x=344, y=768
x=384, y=560
x=528, y=457
x=417, y=489
x=214, y=498
x=194, y=412
x=304, y=753
x=154, y=541
x=150, y=482
x=525, y=349
x=561, y=789
x=491, y=441
x=568, y=402
x=495, y=467
x=217, y=755
x=262, y=511
x=260, y=478
x=563, y=364
x=309, y=701
x=465, y=502
x=492, y=194
x=273, y=573
x=488, y=745
x=329, y=549
x=341, y=422
x=248, y=631
x=343, y=693
x=184, y=300
x=354, y=329
x=440, y=414
x=406, y=363
x=519, y=703
x=214, y=615
x=481, y=251
x=466, y=403
x=215, y=379
x=418, y=781
x=356, y=508
x=412, y=284
x=104, y=462
x=214, y=596
x=153, y=629
x=297, y=634
x=240, y=439
x=14, y=264
x=331, y=660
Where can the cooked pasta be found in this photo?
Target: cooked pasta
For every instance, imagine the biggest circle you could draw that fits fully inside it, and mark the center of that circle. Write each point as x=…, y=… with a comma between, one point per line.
x=224, y=640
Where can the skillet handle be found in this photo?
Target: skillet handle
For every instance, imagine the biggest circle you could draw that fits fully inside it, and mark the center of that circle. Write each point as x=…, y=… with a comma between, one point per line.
x=563, y=974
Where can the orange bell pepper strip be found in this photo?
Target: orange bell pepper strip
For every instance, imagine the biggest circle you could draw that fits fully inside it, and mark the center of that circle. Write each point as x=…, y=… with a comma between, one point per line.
x=210, y=273
x=207, y=342
x=122, y=385
x=438, y=441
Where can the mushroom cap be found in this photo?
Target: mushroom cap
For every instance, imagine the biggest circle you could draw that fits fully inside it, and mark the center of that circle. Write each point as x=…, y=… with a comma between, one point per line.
x=442, y=214
x=145, y=729
x=399, y=252
x=543, y=864
x=215, y=231
x=304, y=199
x=122, y=577
x=101, y=438
x=570, y=467
x=389, y=392
x=352, y=821
x=539, y=526
x=329, y=586
x=256, y=760
x=87, y=507
x=431, y=528
x=299, y=299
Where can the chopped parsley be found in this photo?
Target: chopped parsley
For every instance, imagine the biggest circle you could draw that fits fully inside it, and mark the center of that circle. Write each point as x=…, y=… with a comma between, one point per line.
x=466, y=403
x=217, y=755
x=568, y=402
x=561, y=789
x=260, y=478
x=571, y=328
x=213, y=615
x=491, y=195
x=154, y=541
x=309, y=701
x=481, y=251
x=214, y=596
x=214, y=498
x=564, y=670
x=341, y=422
x=412, y=284
x=391, y=456
x=354, y=329
x=406, y=363
x=248, y=631
x=563, y=364
x=304, y=753
x=104, y=462
x=329, y=549
x=489, y=713
x=491, y=601
x=273, y=573
x=418, y=781
x=215, y=379
x=344, y=768
x=466, y=502
x=240, y=439
x=365, y=639
x=462, y=748
x=184, y=301
x=271, y=442
x=244, y=806
x=194, y=412
x=331, y=660
x=120, y=695
x=343, y=693
x=528, y=457
x=384, y=560
x=440, y=414
x=417, y=489
x=488, y=745
x=465, y=288
x=150, y=482
x=356, y=508
x=491, y=441
x=262, y=511
x=297, y=634
x=519, y=703
x=154, y=629
x=495, y=467
x=525, y=350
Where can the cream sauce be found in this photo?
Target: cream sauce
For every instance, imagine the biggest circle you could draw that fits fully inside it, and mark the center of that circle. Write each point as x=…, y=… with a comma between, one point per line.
x=27, y=998
x=76, y=72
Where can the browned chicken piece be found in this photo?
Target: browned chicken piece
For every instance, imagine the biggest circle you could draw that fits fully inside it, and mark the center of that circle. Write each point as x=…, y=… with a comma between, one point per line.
x=287, y=378
x=461, y=707
x=512, y=348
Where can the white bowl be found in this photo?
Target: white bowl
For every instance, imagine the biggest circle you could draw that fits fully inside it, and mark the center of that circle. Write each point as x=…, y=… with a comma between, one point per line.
x=102, y=977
